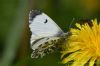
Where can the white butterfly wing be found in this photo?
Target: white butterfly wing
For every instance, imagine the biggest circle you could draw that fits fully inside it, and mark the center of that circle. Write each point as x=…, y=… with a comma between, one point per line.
x=42, y=26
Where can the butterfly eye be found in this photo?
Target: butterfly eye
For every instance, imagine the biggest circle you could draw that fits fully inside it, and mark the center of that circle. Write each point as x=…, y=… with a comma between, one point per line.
x=46, y=21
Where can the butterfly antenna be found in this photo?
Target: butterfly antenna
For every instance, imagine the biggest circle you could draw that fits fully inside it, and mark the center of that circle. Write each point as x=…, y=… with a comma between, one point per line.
x=71, y=23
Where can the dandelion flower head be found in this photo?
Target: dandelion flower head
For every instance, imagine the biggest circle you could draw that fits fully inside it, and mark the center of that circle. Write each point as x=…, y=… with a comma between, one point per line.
x=83, y=46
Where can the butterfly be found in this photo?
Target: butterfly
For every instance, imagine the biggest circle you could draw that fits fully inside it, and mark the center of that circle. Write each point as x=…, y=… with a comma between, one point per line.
x=46, y=35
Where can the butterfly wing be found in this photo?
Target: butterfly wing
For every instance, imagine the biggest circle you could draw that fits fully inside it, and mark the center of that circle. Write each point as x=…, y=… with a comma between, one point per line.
x=45, y=33
x=42, y=26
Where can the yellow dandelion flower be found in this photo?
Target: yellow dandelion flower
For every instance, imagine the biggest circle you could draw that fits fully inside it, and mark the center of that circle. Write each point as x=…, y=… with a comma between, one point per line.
x=83, y=46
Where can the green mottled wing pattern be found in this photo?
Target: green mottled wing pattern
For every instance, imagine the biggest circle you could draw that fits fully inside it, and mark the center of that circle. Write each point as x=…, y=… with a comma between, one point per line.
x=48, y=47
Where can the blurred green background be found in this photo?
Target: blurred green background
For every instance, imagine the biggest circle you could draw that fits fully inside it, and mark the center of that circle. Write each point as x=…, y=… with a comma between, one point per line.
x=14, y=31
